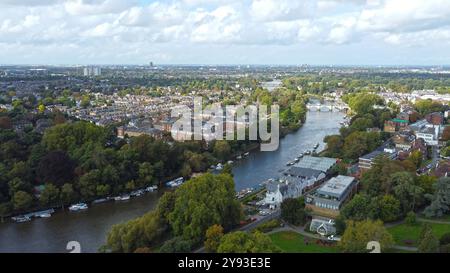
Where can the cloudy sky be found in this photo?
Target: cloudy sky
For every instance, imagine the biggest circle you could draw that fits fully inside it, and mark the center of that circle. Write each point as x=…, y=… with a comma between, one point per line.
x=345, y=32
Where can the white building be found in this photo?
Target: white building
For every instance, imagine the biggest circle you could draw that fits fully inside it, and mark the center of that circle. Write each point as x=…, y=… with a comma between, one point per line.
x=427, y=131
x=92, y=71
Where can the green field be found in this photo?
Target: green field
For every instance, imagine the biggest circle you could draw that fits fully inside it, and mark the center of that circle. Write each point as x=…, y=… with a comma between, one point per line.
x=292, y=242
x=404, y=232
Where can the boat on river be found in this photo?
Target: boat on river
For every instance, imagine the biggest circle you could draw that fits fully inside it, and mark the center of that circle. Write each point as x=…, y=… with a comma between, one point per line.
x=175, y=183
x=125, y=197
x=101, y=200
x=44, y=213
x=21, y=219
x=78, y=207
x=290, y=163
x=151, y=188
x=137, y=193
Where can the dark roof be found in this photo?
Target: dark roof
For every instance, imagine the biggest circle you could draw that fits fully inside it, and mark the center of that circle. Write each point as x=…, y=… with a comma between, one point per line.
x=272, y=186
x=372, y=155
x=302, y=172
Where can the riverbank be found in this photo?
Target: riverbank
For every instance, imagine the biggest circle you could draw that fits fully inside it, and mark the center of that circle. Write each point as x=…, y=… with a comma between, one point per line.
x=91, y=226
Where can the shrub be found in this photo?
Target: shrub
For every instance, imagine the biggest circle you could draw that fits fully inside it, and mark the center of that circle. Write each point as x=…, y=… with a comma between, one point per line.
x=268, y=226
x=410, y=218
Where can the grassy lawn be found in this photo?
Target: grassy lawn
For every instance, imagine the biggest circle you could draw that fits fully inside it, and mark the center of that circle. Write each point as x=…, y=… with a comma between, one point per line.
x=403, y=232
x=293, y=242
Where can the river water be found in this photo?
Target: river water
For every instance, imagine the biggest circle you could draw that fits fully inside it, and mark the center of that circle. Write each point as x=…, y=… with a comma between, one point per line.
x=89, y=227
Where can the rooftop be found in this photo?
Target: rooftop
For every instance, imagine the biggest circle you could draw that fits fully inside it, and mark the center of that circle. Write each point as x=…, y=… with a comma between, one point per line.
x=303, y=172
x=336, y=186
x=399, y=120
x=316, y=163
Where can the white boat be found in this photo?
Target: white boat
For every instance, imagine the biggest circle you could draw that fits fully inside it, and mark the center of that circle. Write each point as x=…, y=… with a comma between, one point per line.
x=239, y=157
x=77, y=207
x=219, y=167
x=290, y=163
x=137, y=193
x=151, y=188
x=21, y=219
x=175, y=183
x=122, y=198
x=44, y=215
x=247, y=153
x=101, y=200
x=230, y=162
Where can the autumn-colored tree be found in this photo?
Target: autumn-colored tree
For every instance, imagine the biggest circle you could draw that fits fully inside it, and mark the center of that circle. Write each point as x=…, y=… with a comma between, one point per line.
x=213, y=236
x=5, y=123
x=446, y=133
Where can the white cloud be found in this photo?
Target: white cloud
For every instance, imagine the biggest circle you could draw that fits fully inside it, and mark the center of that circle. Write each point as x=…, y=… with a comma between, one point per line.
x=162, y=28
x=281, y=10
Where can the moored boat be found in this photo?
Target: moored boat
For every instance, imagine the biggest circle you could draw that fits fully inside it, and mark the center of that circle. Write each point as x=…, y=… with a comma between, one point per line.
x=122, y=198
x=151, y=188
x=79, y=206
x=21, y=219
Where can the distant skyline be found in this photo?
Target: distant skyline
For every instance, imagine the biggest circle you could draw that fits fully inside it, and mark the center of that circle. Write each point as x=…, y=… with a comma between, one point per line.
x=226, y=32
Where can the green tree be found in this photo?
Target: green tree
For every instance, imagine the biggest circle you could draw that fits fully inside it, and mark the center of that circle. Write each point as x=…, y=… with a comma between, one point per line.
x=243, y=242
x=358, y=234
x=357, y=209
x=334, y=145
x=440, y=200
x=363, y=103
x=388, y=208
x=428, y=241
x=68, y=195
x=50, y=195
x=293, y=211
x=406, y=191
x=202, y=202
x=222, y=149
x=22, y=200
x=176, y=245
x=410, y=218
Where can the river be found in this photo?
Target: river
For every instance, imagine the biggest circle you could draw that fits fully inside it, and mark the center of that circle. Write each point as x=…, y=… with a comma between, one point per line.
x=89, y=227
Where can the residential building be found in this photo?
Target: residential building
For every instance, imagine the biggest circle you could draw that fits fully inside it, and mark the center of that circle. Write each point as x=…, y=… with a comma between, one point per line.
x=92, y=71
x=365, y=162
x=403, y=141
x=426, y=130
x=435, y=118
x=395, y=125
x=279, y=190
